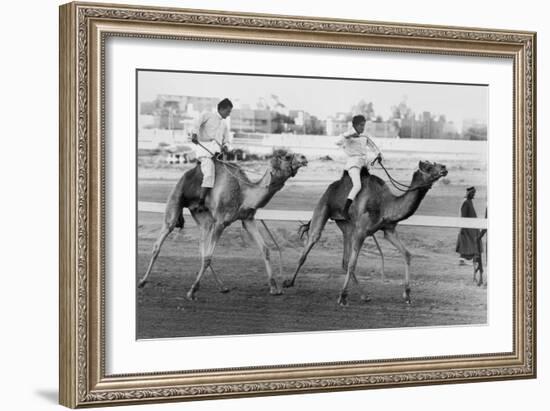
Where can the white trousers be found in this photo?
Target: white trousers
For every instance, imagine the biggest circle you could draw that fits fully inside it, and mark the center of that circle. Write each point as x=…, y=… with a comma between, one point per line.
x=207, y=164
x=355, y=175
x=208, y=172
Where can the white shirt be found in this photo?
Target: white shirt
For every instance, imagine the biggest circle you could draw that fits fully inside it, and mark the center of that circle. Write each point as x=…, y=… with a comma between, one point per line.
x=211, y=127
x=356, y=148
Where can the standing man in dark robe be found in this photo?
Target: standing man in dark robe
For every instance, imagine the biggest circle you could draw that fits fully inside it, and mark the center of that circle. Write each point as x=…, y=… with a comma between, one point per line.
x=467, y=244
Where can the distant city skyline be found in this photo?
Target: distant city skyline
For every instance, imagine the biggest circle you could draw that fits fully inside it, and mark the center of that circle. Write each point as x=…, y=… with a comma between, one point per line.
x=323, y=97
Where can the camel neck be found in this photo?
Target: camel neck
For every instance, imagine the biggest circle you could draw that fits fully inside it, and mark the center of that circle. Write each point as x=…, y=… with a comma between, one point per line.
x=259, y=194
x=407, y=204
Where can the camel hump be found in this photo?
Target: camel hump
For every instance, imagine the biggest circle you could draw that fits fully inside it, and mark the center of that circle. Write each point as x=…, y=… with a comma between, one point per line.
x=232, y=169
x=371, y=186
x=187, y=190
x=374, y=180
x=364, y=172
x=366, y=177
x=192, y=178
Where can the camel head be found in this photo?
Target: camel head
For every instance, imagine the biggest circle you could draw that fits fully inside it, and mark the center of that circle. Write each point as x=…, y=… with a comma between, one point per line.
x=285, y=164
x=431, y=172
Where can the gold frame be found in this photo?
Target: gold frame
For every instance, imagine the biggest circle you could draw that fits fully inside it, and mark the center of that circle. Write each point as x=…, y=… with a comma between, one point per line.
x=83, y=30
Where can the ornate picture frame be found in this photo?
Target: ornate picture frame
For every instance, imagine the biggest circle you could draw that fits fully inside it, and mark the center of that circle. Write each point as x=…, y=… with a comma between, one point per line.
x=84, y=29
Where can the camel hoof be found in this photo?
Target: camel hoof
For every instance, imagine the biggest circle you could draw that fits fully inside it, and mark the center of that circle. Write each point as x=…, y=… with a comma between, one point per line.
x=407, y=295
x=191, y=295
x=142, y=283
x=276, y=291
x=288, y=283
x=343, y=300
x=224, y=290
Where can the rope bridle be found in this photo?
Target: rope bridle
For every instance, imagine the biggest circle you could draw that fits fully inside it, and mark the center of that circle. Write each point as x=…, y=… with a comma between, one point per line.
x=404, y=188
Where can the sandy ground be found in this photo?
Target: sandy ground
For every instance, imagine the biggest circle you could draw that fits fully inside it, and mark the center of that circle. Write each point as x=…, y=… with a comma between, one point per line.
x=443, y=292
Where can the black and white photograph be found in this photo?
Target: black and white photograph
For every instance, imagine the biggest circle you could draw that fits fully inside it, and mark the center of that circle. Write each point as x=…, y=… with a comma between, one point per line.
x=269, y=205
x=282, y=204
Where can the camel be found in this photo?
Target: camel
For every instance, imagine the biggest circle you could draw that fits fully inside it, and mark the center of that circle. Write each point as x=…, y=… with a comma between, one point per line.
x=375, y=208
x=233, y=197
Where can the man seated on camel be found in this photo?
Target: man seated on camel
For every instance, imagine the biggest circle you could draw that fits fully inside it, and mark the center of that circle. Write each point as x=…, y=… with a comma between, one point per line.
x=355, y=144
x=211, y=135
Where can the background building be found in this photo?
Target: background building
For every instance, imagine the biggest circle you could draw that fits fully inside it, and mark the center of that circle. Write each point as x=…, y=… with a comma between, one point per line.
x=169, y=119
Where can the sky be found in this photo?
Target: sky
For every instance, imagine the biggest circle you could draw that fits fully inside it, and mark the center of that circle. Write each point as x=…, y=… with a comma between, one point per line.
x=323, y=97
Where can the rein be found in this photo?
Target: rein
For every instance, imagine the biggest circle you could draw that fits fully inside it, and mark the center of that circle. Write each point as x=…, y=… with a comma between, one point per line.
x=220, y=159
x=404, y=188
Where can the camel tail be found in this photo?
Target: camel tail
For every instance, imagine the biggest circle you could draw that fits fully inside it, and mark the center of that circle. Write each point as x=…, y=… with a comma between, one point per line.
x=304, y=229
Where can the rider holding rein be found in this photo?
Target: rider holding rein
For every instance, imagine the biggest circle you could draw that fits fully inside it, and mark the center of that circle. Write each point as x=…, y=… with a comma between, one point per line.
x=355, y=145
x=211, y=135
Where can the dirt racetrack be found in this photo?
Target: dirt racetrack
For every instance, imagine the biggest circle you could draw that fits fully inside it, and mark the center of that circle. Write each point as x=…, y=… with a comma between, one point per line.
x=443, y=293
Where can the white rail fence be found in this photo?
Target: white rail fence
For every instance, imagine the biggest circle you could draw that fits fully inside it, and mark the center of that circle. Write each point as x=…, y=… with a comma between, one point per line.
x=297, y=215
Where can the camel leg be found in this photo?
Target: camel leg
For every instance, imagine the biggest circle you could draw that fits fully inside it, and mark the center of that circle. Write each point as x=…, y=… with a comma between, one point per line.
x=355, y=239
x=165, y=231
x=244, y=239
x=381, y=256
x=346, y=253
x=211, y=237
x=206, y=231
x=317, y=224
x=346, y=229
x=364, y=296
x=250, y=226
x=290, y=282
x=173, y=217
x=357, y=243
x=392, y=237
x=221, y=285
